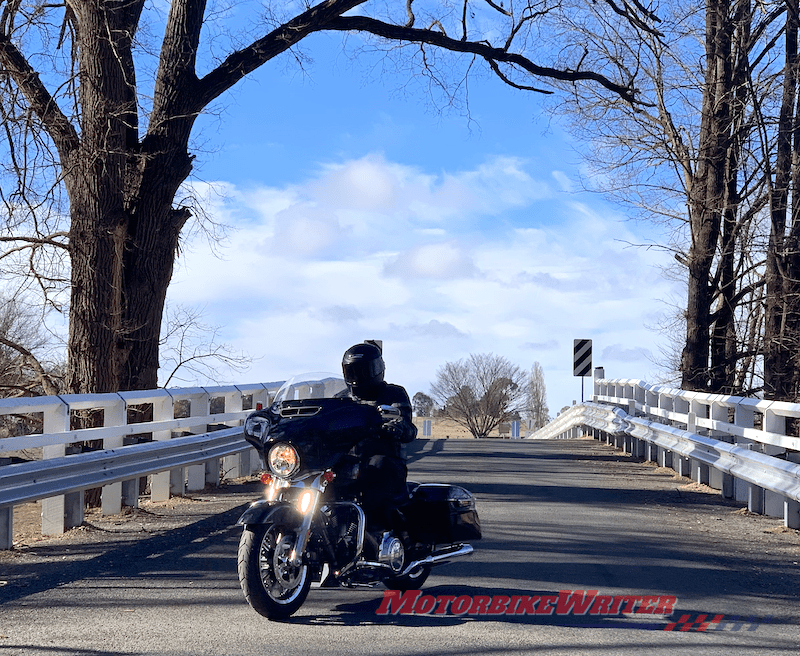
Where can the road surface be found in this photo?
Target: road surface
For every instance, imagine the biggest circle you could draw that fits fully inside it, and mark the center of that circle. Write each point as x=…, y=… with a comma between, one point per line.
x=565, y=523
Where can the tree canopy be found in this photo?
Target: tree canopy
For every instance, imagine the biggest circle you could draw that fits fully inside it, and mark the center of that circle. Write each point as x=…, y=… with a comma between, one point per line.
x=480, y=392
x=98, y=114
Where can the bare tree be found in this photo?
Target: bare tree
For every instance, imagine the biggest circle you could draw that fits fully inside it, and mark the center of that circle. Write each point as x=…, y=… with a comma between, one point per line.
x=190, y=350
x=97, y=148
x=24, y=367
x=536, y=397
x=480, y=392
x=699, y=155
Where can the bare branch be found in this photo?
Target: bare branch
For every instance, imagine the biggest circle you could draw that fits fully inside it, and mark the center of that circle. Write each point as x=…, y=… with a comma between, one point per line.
x=482, y=49
x=57, y=124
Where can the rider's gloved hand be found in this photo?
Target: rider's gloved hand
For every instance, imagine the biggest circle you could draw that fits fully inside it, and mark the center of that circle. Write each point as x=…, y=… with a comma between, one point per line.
x=392, y=429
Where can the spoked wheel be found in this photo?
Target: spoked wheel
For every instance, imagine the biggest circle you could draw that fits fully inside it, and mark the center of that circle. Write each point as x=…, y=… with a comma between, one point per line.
x=272, y=585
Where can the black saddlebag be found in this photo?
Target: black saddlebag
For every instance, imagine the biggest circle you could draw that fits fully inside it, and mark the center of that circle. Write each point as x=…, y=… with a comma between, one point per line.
x=442, y=514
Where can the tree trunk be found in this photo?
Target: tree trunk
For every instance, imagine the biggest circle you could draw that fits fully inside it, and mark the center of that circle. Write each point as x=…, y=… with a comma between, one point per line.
x=779, y=343
x=124, y=231
x=707, y=196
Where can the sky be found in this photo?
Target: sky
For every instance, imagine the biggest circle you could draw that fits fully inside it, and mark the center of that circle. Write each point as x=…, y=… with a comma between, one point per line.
x=356, y=209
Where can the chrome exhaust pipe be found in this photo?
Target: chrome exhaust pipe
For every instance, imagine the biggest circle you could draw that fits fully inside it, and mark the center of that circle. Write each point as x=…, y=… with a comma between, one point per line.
x=438, y=558
x=434, y=559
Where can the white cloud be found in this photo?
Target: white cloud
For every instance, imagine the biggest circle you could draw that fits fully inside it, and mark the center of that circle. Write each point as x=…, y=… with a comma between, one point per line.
x=441, y=261
x=433, y=329
x=439, y=266
x=618, y=353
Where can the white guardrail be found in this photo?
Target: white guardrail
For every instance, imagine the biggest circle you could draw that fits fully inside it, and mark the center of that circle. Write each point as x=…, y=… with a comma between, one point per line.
x=734, y=444
x=207, y=445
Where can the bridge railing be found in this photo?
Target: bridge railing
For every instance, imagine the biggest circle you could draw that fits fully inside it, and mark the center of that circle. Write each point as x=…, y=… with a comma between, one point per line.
x=747, y=448
x=180, y=453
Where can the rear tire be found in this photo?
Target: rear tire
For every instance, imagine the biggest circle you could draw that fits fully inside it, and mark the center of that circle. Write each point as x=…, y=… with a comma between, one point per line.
x=412, y=581
x=272, y=586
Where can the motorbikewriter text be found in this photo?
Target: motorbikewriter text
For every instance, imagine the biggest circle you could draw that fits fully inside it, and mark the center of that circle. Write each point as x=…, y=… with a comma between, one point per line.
x=566, y=602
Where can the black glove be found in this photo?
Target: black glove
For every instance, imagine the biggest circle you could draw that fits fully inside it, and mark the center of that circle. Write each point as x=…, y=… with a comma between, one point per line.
x=392, y=429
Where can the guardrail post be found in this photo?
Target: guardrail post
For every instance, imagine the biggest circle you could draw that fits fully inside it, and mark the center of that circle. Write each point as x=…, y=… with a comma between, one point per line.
x=166, y=482
x=755, y=499
x=743, y=417
x=7, y=527
x=699, y=470
x=650, y=452
x=239, y=464
x=111, y=495
x=61, y=512
x=791, y=507
x=791, y=513
x=773, y=423
x=197, y=475
x=682, y=465
x=598, y=375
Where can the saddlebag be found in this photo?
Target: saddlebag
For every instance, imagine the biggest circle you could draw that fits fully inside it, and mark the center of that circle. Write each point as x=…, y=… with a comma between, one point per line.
x=442, y=514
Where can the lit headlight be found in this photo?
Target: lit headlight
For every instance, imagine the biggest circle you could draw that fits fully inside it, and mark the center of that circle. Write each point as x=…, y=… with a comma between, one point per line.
x=283, y=460
x=256, y=426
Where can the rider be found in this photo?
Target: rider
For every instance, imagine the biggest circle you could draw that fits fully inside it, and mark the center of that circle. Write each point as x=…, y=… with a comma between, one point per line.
x=384, y=470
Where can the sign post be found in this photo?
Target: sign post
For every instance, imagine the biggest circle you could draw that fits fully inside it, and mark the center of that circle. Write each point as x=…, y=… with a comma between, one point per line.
x=582, y=360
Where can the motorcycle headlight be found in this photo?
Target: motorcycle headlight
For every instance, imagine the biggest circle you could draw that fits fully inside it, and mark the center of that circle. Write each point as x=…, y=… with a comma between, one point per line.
x=256, y=426
x=283, y=460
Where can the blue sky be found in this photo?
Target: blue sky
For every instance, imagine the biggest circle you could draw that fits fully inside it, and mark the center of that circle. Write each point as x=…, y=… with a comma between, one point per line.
x=358, y=210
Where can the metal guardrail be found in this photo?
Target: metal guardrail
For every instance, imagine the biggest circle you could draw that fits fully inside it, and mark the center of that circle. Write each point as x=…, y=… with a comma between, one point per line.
x=734, y=444
x=175, y=464
x=39, y=479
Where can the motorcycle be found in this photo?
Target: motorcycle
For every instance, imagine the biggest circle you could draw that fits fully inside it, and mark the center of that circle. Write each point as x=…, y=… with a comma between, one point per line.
x=311, y=527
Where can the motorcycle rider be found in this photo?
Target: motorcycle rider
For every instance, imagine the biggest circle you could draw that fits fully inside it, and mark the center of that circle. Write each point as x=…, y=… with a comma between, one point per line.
x=384, y=471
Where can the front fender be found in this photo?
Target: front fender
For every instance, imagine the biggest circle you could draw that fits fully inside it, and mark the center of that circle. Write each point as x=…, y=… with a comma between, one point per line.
x=270, y=512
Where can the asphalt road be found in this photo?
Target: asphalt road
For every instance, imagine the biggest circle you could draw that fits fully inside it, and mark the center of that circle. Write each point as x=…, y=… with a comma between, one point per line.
x=557, y=516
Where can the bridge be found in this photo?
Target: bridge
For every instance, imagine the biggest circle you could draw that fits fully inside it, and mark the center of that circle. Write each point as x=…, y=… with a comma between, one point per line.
x=740, y=446
x=577, y=523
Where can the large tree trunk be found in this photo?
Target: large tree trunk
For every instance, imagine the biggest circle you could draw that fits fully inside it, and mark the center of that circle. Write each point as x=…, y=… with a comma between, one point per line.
x=95, y=181
x=124, y=232
x=723, y=334
x=780, y=343
x=706, y=200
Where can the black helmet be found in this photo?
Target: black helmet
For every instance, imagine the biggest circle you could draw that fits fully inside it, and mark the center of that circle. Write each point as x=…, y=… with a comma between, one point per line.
x=363, y=367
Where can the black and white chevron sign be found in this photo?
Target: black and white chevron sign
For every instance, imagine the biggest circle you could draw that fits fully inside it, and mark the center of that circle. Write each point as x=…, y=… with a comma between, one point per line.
x=582, y=362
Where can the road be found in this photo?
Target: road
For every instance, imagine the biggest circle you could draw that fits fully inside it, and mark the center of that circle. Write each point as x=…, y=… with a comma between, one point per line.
x=568, y=515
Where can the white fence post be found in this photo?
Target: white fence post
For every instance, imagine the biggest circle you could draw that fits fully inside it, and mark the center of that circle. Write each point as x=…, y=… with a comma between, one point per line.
x=237, y=465
x=599, y=374
x=63, y=511
x=774, y=503
x=196, y=475
x=166, y=482
x=111, y=495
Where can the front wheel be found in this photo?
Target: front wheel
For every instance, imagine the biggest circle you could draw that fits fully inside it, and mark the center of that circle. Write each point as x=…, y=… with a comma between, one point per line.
x=272, y=585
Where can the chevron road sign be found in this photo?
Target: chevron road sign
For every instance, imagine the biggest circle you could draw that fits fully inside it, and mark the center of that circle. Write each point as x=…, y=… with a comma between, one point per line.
x=582, y=363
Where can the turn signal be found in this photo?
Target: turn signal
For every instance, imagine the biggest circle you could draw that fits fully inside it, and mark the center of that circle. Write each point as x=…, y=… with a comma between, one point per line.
x=266, y=478
x=328, y=476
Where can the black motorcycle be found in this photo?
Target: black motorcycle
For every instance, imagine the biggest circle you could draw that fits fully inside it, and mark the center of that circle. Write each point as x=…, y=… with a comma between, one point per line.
x=311, y=526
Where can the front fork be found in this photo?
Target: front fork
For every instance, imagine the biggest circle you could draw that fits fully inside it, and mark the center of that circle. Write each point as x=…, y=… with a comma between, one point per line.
x=306, y=505
x=308, y=500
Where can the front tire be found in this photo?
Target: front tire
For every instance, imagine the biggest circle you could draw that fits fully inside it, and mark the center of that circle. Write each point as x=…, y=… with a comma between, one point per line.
x=272, y=586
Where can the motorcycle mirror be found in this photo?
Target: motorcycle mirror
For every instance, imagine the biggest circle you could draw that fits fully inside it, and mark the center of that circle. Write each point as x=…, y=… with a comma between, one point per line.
x=389, y=410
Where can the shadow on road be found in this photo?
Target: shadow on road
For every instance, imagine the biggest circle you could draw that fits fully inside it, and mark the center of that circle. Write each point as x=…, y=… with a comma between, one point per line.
x=67, y=562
